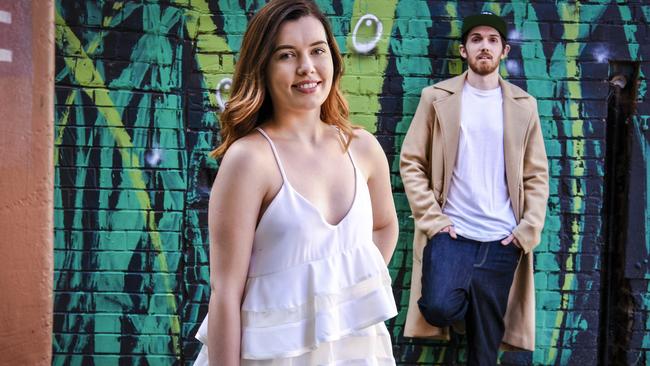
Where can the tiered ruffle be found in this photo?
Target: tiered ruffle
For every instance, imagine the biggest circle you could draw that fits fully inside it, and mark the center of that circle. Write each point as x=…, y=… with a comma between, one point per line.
x=322, y=312
x=367, y=347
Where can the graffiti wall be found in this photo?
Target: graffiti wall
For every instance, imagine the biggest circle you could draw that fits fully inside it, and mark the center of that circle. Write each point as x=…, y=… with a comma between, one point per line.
x=139, y=85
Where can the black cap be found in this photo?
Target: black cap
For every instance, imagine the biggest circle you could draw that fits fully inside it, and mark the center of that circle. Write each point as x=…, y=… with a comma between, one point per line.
x=485, y=18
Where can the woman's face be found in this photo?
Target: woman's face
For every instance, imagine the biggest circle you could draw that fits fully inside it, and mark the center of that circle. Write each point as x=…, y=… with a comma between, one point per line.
x=299, y=73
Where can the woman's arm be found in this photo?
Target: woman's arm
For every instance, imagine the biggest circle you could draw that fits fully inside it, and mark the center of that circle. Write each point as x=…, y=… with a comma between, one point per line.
x=233, y=210
x=384, y=217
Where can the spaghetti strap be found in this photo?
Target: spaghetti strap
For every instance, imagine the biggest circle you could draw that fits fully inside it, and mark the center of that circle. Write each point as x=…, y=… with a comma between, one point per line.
x=349, y=150
x=275, y=153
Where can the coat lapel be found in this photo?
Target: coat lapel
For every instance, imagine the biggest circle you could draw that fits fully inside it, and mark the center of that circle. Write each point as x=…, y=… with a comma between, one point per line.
x=516, y=117
x=448, y=110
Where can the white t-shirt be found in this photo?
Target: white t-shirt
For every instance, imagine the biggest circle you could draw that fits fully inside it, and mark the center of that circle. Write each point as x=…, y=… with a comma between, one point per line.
x=478, y=203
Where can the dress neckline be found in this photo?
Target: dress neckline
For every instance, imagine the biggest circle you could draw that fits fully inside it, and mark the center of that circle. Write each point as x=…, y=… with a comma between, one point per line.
x=286, y=184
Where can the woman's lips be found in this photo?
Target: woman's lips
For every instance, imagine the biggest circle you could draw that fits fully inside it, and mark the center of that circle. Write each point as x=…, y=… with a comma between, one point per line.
x=307, y=87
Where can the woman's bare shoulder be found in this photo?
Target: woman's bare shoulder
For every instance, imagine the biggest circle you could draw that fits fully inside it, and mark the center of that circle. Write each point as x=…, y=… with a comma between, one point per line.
x=367, y=149
x=249, y=156
x=365, y=143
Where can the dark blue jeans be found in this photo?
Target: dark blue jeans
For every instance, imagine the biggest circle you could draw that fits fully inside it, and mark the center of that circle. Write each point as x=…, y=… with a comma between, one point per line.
x=464, y=279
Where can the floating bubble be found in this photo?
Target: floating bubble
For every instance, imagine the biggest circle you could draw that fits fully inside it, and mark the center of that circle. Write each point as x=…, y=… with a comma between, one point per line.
x=366, y=47
x=224, y=85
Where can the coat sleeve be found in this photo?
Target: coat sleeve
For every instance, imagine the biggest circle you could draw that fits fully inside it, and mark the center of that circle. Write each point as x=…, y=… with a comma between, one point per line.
x=535, y=187
x=415, y=166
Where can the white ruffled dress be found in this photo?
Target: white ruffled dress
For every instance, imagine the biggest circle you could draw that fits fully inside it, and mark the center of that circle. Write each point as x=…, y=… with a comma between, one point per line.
x=317, y=293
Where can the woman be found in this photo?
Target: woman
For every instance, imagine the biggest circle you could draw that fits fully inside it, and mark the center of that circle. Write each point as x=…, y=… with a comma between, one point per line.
x=301, y=216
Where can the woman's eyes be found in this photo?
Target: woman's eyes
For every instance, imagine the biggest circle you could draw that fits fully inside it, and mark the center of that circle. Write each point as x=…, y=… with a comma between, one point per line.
x=285, y=56
x=288, y=55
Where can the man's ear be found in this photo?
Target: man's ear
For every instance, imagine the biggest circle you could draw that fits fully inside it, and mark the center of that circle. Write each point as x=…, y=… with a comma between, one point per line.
x=506, y=49
x=462, y=50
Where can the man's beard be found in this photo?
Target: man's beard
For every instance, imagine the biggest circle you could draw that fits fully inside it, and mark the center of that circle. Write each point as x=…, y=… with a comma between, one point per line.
x=482, y=68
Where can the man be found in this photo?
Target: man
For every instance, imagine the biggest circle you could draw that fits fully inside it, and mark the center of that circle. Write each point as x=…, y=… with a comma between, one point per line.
x=475, y=173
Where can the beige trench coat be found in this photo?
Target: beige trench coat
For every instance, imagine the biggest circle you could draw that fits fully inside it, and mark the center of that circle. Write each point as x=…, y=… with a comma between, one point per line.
x=426, y=165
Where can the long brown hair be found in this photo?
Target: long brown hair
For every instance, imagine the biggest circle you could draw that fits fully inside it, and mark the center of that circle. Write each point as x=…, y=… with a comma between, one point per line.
x=250, y=104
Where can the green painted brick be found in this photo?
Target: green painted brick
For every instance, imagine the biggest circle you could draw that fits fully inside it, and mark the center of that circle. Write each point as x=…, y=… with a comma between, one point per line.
x=172, y=200
x=91, y=240
x=169, y=179
x=540, y=280
x=553, y=148
x=147, y=324
x=417, y=10
x=361, y=65
x=546, y=262
x=419, y=28
x=535, y=68
x=93, y=281
x=553, y=281
x=167, y=101
x=122, y=220
x=421, y=64
x=359, y=103
x=168, y=118
x=171, y=262
x=168, y=221
x=401, y=203
x=73, y=301
x=168, y=139
x=542, y=88
x=105, y=360
x=414, y=85
x=369, y=85
x=58, y=219
x=169, y=241
x=162, y=304
x=396, y=260
x=150, y=345
x=118, y=261
x=120, y=302
x=454, y=67
x=350, y=84
x=205, y=44
x=364, y=120
x=414, y=47
x=71, y=343
x=410, y=103
x=403, y=125
x=564, y=69
x=548, y=300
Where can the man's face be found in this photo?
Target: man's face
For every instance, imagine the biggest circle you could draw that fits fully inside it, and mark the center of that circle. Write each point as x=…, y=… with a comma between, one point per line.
x=483, y=50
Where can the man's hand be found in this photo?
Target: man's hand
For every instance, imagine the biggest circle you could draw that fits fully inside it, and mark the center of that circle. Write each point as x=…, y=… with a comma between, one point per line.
x=449, y=229
x=511, y=239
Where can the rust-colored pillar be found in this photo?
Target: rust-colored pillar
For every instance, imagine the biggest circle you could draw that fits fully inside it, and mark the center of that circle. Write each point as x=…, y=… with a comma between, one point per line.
x=26, y=180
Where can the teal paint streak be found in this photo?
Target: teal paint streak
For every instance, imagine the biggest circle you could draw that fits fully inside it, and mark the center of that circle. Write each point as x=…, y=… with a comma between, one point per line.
x=525, y=21
x=526, y=24
x=586, y=16
x=234, y=23
x=105, y=216
x=340, y=25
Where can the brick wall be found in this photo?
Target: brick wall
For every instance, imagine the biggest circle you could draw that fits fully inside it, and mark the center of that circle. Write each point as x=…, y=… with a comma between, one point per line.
x=136, y=113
